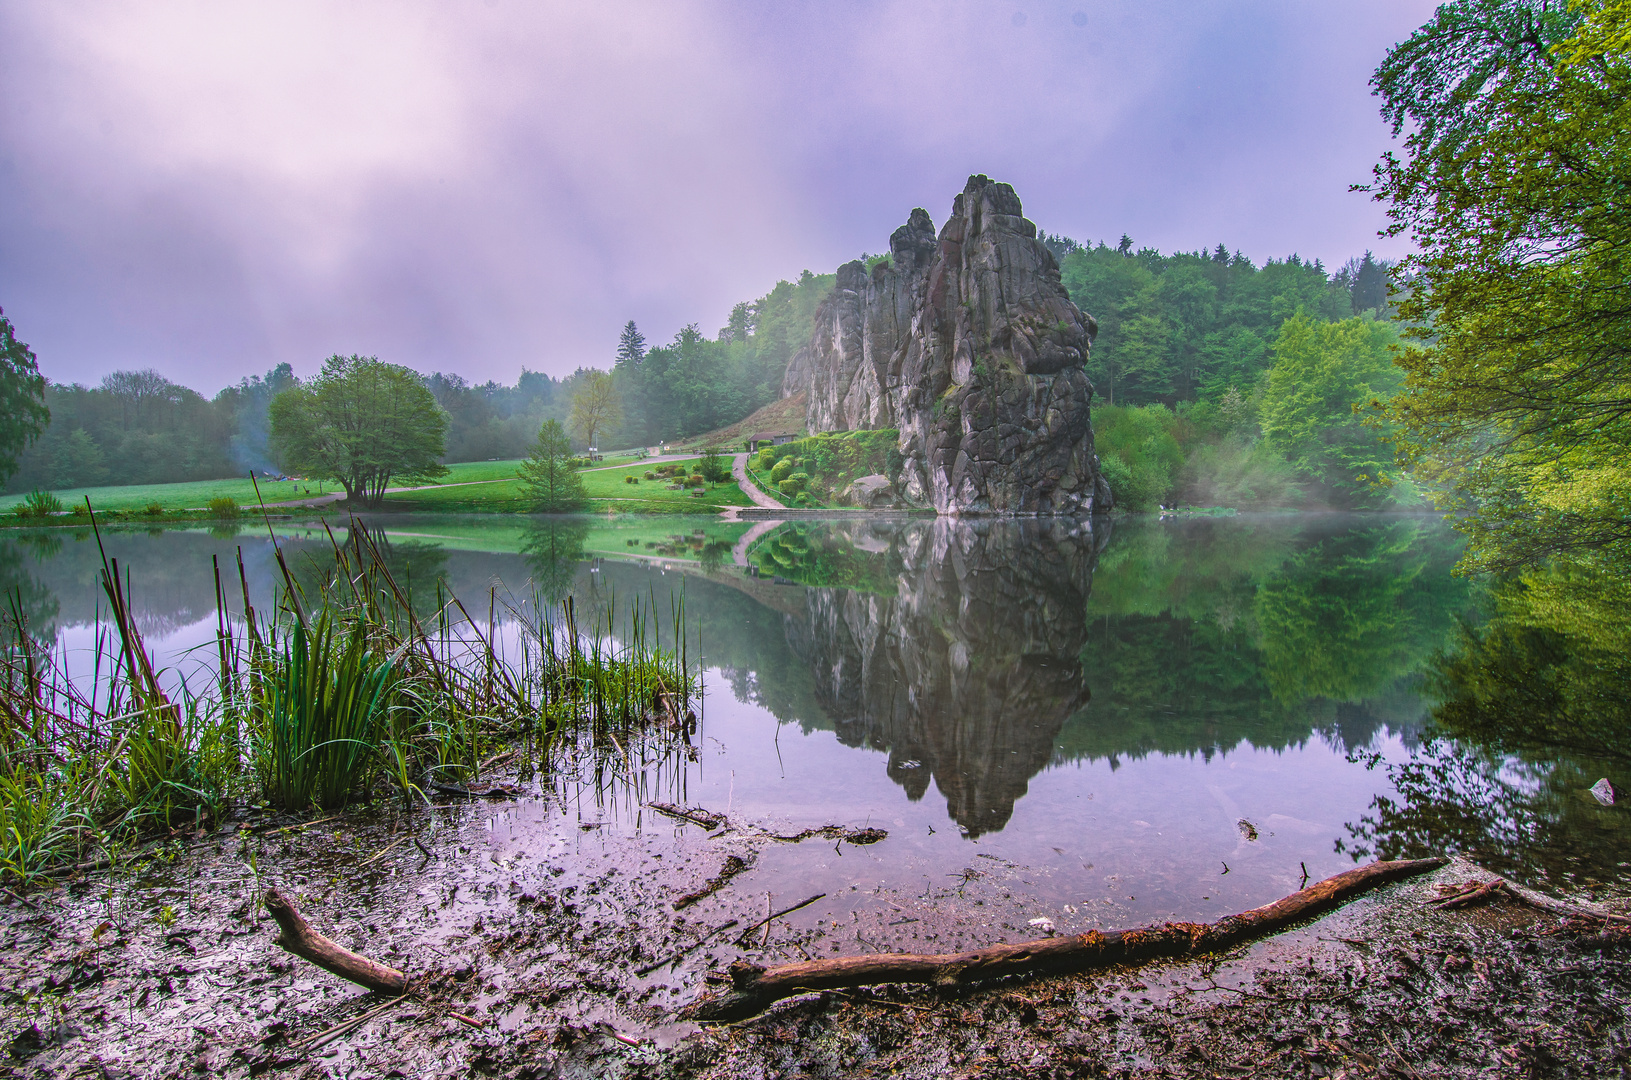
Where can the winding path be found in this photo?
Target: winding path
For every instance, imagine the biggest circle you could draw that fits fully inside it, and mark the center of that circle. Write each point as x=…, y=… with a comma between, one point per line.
x=739, y=469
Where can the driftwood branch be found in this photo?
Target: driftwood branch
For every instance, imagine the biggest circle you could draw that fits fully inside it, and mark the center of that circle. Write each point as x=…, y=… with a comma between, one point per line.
x=298, y=937
x=756, y=987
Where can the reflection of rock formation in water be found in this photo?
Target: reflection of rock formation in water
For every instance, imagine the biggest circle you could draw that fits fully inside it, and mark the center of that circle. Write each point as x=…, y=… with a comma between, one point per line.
x=969, y=671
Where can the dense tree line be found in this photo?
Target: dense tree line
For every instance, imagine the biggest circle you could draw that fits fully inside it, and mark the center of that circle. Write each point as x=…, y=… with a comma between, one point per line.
x=695, y=384
x=137, y=427
x=1190, y=325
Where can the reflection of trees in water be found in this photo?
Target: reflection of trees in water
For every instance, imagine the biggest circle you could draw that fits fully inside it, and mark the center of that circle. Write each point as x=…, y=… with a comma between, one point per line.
x=1207, y=634
x=1531, y=819
x=972, y=663
x=1532, y=708
x=21, y=591
x=553, y=548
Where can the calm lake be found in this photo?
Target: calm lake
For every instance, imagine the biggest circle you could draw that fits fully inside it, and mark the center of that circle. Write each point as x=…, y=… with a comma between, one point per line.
x=1118, y=720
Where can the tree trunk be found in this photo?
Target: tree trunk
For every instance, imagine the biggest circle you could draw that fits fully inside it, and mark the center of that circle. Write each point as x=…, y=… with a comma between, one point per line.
x=756, y=987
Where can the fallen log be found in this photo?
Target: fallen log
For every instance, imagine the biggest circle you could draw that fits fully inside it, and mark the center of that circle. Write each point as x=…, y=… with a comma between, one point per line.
x=755, y=987
x=296, y=936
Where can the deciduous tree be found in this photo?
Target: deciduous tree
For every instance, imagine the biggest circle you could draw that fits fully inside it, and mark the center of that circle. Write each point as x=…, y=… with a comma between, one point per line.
x=361, y=423
x=1512, y=188
x=595, y=406
x=1321, y=372
x=23, y=414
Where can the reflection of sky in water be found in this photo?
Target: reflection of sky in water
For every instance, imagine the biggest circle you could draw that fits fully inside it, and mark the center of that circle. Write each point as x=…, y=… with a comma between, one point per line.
x=1090, y=716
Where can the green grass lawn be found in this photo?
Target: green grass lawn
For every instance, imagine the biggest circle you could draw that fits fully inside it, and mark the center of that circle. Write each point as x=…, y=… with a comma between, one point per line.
x=606, y=487
x=469, y=487
x=188, y=496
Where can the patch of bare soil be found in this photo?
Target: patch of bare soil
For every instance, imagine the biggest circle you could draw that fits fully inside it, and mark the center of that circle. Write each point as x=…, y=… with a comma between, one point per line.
x=566, y=956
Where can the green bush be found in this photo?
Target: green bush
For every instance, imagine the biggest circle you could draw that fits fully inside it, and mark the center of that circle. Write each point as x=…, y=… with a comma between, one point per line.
x=767, y=458
x=782, y=470
x=794, y=485
x=318, y=732
x=631, y=479
x=153, y=509
x=224, y=507
x=38, y=504
x=651, y=475
x=696, y=482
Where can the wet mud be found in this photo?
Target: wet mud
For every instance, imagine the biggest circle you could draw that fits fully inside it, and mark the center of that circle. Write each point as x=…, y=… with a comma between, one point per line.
x=547, y=939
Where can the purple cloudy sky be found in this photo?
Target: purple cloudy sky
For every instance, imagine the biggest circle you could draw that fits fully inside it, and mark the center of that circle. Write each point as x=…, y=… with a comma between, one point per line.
x=213, y=187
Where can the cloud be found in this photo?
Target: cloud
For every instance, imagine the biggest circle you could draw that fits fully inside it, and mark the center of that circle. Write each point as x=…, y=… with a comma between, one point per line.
x=212, y=188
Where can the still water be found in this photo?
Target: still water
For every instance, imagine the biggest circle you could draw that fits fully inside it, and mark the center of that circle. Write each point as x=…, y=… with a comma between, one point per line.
x=1122, y=720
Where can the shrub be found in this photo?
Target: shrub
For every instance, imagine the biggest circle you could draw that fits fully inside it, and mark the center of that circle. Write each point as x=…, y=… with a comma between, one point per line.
x=224, y=507
x=650, y=474
x=696, y=482
x=38, y=504
x=794, y=485
x=782, y=470
x=767, y=458
x=631, y=479
x=153, y=509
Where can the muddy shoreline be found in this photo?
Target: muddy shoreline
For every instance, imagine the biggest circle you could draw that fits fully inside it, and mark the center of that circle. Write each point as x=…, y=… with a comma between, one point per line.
x=567, y=956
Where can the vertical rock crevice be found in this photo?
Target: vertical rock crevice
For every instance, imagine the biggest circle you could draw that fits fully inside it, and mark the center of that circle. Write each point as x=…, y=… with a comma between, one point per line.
x=968, y=344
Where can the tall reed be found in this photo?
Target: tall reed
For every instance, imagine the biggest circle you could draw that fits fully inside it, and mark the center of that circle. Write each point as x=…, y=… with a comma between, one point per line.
x=339, y=692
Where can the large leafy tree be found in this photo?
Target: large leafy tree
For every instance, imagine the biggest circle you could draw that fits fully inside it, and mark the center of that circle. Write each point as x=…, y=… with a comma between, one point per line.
x=23, y=414
x=548, y=474
x=361, y=423
x=1321, y=372
x=595, y=406
x=1512, y=187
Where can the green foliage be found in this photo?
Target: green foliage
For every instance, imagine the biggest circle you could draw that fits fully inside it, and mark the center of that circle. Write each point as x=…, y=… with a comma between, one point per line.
x=1322, y=373
x=713, y=466
x=39, y=504
x=794, y=485
x=360, y=423
x=225, y=507
x=1139, y=453
x=1517, y=405
x=830, y=460
x=23, y=413
x=328, y=704
x=693, y=384
x=1190, y=325
x=548, y=475
x=595, y=407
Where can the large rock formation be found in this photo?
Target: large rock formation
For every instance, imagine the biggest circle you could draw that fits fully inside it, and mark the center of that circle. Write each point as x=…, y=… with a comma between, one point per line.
x=968, y=344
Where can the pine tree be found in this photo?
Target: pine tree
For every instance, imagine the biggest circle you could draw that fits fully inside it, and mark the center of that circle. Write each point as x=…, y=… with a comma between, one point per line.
x=631, y=346
x=552, y=483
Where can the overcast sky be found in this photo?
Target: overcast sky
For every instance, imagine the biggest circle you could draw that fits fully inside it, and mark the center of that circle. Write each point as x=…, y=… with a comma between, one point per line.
x=211, y=188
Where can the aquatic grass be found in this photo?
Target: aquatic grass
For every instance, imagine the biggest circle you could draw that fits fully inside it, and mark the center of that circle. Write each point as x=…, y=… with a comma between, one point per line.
x=343, y=690
x=317, y=730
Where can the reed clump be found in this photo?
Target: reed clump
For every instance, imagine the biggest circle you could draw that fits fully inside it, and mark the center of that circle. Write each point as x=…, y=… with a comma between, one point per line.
x=341, y=693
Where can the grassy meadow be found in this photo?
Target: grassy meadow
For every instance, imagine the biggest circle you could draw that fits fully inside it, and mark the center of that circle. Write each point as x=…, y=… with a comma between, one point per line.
x=482, y=487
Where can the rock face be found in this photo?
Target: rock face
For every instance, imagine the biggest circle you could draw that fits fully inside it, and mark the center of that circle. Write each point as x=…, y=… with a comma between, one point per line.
x=872, y=492
x=968, y=344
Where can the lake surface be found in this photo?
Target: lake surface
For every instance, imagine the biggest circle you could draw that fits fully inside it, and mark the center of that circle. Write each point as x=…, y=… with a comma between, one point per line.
x=1119, y=720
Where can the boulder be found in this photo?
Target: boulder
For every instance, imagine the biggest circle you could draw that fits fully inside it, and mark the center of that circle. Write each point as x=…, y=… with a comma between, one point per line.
x=966, y=342
x=871, y=492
